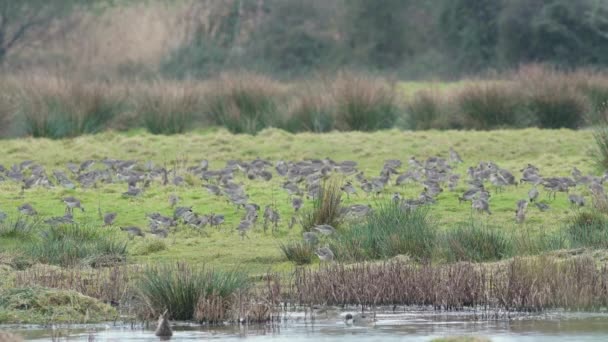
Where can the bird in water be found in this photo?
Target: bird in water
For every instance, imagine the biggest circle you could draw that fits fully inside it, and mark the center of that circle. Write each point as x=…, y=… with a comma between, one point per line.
x=358, y=319
x=163, y=329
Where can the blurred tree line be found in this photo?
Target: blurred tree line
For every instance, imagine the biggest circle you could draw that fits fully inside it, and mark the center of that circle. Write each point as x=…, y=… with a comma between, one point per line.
x=416, y=38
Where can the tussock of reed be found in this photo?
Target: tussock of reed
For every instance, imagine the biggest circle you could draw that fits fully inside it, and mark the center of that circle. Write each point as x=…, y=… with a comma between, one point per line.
x=108, y=284
x=327, y=206
x=73, y=245
x=517, y=285
x=364, y=103
x=244, y=103
x=428, y=110
x=388, y=231
x=170, y=107
x=489, y=106
x=298, y=252
x=311, y=110
x=57, y=108
x=476, y=242
x=190, y=293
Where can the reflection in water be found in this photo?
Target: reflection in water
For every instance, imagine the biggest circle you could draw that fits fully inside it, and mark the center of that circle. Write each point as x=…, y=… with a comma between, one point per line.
x=419, y=325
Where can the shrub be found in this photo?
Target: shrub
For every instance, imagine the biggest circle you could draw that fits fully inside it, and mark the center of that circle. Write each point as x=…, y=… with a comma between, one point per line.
x=588, y=229
x=244, y=103
x=168, y=108
x=179, y=287
x=71, y=245
x=56, y=108
x=474, y=242
x=489, y=106
x=298, y=252
x=326, y=207
x=364, y=103
x=386, y=232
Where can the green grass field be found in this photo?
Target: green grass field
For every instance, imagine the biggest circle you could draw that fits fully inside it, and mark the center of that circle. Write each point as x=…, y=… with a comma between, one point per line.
x=555, y=152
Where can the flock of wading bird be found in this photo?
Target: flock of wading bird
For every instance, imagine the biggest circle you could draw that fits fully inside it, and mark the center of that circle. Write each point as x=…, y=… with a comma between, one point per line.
x=301, y=179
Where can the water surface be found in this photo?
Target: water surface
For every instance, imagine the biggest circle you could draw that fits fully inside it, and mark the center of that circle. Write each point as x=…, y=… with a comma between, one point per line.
x=412, y=326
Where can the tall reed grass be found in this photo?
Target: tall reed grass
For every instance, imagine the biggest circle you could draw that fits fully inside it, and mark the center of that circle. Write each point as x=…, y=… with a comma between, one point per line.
x=245, y=103
x=476, y=242
x=169, y=108
x=64, y=108
x=364, y=103
x=326, y=208
x=190, y=293
x=73, y=245
x=386, y=232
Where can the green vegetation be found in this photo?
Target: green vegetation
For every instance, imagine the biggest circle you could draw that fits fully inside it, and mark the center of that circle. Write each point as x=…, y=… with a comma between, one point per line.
x=39, y=305
x=298, y=252
x=477, y=243
x=179, y=288
x=388, y=231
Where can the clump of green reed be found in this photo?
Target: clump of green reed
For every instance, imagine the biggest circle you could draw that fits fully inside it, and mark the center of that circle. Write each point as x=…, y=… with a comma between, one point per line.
x=364, y=103
x=476, y=242
x=178, y=288
x=489, y=105
x=168, y=108
x=526, y=242
x=552, y=97
x=19, y=228
x=244, y=103
x=149, y=246
x=298, y=252
x=55, y=108
x=386, y=232
x=310, y=111
x=426, y=110
x=326, y=208
x=600, y=152
x=588, y=229
x=71, y=245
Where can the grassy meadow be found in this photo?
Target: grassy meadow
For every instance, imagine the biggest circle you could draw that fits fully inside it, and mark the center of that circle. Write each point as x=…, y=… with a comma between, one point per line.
x=554, y=152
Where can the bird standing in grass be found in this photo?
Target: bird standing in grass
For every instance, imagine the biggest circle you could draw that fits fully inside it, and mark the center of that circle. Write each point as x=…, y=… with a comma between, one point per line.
x=325, y=229
x=108, y=219
x=533, y=194
x=27, y=209
x=325, y=254
x=72, y=202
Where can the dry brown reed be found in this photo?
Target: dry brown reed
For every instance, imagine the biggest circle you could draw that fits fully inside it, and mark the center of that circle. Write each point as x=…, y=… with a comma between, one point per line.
x=364, y=103
x=107, y=284
x=519, y=285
